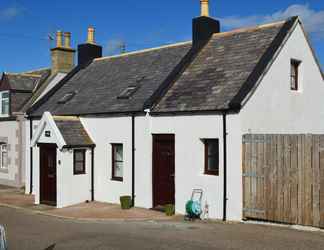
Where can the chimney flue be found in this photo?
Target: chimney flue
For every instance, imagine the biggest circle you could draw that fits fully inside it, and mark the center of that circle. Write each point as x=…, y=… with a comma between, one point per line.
x=204, y=7
x=91, y=34
x=67, y=39
x=59, y=39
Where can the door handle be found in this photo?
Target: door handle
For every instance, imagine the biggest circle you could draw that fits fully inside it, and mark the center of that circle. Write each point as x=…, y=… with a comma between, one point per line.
x=173, y=175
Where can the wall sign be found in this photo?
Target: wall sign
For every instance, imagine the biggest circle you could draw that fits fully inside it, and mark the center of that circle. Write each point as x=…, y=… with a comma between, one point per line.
x=47, y=133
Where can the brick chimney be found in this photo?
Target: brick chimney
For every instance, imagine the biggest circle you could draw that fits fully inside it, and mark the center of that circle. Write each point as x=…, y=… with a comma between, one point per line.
x=204, y=27
x=62, y=55
x=89, y=50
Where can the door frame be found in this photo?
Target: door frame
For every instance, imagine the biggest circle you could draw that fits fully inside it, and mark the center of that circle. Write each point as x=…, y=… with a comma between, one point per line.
x=167, y=137
x=52, y=146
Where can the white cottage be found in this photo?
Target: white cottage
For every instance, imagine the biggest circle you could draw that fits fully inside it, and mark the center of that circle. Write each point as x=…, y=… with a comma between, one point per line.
x=158, y=123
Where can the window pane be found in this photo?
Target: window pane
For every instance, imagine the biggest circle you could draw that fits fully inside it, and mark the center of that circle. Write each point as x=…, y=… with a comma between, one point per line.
x=78, y=156
x=118, y=169
x=212, y=147
x=213, y=163
x=78, y=167
x=4, y=156
x=5, y=95
x=5, y=107
x=118, y=152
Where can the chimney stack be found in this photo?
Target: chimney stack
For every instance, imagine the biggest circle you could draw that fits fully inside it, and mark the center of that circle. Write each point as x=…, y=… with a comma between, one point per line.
x=204, y=7
x=89, y=50
x=91, y=35
x=67, y=39
x=59, y=39
x=62, y=56
x=204, y=27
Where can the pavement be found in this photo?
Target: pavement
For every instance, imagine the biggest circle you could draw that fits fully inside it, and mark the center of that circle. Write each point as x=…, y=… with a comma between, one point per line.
x=29, y=231
x=16, y=198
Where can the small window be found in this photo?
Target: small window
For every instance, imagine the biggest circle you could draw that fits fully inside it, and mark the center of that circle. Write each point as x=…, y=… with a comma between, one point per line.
x=117, y=162
x=211, y=156
x=128, y=92
x=67, y=97
x=3, y=156
x=294, y=75
x=79, y=161
x=4, y=103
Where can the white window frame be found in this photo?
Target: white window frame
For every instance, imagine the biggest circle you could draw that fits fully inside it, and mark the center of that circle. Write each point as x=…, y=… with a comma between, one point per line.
x=1, y=99
x=3, y=150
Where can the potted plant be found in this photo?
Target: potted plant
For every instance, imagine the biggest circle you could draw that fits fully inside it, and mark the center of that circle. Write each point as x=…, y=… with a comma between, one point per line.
x=169, y=209
x=126, y=202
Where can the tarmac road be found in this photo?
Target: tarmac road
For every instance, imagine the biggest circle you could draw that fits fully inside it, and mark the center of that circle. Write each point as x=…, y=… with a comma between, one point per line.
x=27, y=230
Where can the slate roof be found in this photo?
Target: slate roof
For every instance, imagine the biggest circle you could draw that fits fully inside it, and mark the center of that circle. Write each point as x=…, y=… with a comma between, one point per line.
x=177, y=78
x=97, y=86
x=73, y=132
x=223, y=69
x=26, y=81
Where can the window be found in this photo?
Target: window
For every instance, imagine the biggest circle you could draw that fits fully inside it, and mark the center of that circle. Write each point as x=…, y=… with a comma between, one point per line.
x=67, y=97
x=79, y=161
x=294, y=75
x=128, y=92
x=4, y=103
x=117, y=162
x=211, y=156
x=3, y=156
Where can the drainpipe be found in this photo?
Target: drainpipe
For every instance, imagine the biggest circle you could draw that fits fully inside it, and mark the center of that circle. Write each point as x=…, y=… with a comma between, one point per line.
x=133, y=160
x=31, y=156
x=92, y=174
x=225, y=167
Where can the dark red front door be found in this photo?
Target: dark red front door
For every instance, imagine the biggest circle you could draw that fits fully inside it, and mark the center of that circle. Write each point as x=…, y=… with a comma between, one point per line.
x=163, y=170
x=48, y=174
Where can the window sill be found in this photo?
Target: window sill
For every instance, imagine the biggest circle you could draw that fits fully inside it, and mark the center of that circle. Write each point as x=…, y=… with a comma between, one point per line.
x=83, y=173
x=119, y=179
x=212, y=174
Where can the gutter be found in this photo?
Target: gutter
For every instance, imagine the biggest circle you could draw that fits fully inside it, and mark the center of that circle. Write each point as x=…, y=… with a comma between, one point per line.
x=31, y=157
x=225, y=166
x=133, y=160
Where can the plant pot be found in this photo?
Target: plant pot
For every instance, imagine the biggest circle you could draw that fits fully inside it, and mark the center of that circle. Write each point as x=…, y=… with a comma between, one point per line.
x=169, y=209
x=126, y=202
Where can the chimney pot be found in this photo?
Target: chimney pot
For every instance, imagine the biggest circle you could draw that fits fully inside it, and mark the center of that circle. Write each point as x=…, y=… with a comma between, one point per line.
x=67, y=39
x=204, y=7
x=59, y=39
x=91, y=35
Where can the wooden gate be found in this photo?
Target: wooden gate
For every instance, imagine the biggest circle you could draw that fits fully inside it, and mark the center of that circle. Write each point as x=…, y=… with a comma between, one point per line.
x=283, y=178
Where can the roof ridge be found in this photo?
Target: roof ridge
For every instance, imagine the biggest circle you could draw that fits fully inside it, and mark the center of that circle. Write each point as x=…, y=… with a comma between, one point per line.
x=31, y=71
x=248, y=29
x=22, y=74
x=143, y=51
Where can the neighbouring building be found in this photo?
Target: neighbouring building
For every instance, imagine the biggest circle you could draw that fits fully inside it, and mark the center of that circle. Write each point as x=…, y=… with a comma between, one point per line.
x=156, y=124
x=18, y=91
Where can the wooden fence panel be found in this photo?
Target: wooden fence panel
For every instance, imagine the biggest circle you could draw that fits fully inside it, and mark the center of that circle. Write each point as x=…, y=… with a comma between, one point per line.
x=283, y=178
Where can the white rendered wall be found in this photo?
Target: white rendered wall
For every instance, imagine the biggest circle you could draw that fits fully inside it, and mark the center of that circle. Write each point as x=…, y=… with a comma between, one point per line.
x=189, y=161
x=9, y=130
x=274, y=108
x=103, y=132
x=72, y=189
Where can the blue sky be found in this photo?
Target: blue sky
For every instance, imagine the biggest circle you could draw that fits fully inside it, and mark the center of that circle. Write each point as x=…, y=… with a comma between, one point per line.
x=25, y=24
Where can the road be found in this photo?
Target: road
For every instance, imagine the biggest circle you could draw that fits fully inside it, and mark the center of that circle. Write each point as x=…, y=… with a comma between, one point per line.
x=30, y=231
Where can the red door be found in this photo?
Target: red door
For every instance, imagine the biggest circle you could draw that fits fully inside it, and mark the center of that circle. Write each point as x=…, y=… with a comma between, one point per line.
x=163, y=170
x=48, y=174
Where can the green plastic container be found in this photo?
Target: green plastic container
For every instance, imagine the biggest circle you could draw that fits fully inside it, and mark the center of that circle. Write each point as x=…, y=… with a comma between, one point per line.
x=169, y=209
x=126, y=202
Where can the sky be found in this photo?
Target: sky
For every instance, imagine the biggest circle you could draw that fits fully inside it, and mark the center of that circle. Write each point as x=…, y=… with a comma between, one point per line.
x=26, y=25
